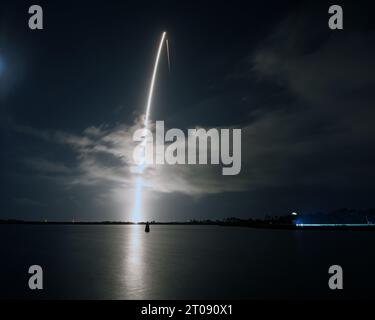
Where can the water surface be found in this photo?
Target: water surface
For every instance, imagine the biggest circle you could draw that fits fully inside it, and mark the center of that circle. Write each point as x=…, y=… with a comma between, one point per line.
x=183, y=262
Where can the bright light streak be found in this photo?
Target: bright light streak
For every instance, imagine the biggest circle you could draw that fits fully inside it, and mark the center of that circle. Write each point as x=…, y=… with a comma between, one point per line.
x=150, y=94
x=137, y=209
x=137, y=199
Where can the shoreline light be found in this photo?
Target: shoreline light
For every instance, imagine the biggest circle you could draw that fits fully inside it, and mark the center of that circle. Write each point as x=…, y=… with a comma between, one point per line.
x=334, y=224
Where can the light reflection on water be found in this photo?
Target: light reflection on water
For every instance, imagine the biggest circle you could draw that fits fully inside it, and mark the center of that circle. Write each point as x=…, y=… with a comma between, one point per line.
x=134, y=264
x=182, y=262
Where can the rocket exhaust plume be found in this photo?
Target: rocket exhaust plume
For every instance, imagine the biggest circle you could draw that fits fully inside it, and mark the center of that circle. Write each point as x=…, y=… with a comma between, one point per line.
x=141, y=166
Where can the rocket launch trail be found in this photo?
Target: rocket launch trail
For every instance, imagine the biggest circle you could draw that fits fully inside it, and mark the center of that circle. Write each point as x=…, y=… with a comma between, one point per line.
x=153, y=78
x=139, y=180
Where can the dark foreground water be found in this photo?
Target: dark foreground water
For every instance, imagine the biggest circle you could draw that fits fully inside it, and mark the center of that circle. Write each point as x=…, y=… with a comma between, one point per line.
x=183, y=262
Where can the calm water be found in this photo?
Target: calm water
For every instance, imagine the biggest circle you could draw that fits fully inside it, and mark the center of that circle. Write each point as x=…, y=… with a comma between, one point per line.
x=184, y=262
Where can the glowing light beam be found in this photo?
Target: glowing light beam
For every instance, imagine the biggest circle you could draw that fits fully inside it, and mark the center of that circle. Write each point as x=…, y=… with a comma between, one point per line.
x=137, y=209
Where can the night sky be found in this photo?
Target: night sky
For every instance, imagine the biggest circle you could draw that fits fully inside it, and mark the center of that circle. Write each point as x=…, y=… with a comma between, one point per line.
x=71, y=94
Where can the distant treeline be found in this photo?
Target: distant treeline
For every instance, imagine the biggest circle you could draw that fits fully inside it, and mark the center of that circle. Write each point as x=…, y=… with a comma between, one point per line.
x=224, y=222
x=344, y=215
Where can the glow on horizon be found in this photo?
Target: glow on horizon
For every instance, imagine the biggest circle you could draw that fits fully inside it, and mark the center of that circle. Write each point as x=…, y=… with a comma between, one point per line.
x=333, y=224
x=137, y=209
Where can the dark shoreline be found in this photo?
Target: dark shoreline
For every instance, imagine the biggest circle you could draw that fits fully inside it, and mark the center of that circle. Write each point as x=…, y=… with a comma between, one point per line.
x=370, y=227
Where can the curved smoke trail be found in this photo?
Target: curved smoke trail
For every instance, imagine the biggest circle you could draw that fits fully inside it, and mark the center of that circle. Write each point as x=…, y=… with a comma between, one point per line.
x=141, y=166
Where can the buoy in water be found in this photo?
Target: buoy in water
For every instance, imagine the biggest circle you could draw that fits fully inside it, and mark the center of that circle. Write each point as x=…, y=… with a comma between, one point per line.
x=147, y=228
